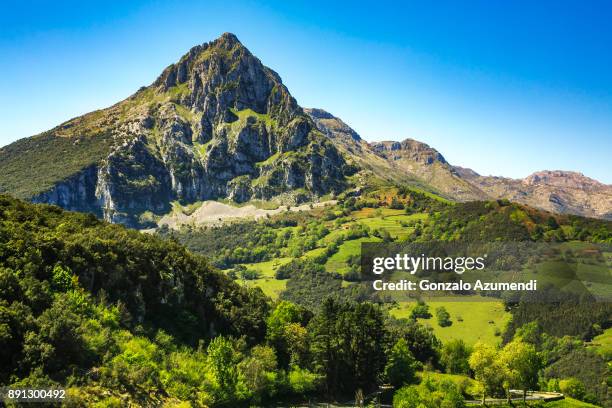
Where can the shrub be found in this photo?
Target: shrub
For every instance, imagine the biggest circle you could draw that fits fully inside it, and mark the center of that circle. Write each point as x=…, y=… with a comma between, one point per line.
x=443, y=317
x=572, y=387
x=421, y=310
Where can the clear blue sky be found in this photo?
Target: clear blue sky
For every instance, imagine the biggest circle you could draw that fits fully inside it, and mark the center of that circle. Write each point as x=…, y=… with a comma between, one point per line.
x=506, y=89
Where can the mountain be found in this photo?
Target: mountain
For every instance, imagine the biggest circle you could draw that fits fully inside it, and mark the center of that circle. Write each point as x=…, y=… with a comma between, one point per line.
x=216, y=124
x=409, y=161
x=428, y=165
x=557, y=191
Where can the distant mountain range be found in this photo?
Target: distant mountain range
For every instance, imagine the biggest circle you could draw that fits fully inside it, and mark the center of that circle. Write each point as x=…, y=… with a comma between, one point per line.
x=218, y=124
x=556, y=191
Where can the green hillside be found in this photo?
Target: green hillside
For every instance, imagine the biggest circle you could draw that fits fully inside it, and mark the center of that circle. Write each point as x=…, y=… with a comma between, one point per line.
x=304, y=256
x=119, y=317
x=474, y=319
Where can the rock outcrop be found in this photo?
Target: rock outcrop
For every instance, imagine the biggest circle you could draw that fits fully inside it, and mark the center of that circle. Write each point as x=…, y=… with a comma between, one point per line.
x=76, y=193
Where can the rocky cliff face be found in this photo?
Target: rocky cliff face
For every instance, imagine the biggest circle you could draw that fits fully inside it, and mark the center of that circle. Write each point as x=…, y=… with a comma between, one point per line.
x=76, y=193
x=409, y=149
x=216, y=124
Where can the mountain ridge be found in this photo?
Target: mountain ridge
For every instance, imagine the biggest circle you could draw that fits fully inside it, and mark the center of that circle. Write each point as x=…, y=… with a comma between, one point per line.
x=218, y=124
x=557, y=191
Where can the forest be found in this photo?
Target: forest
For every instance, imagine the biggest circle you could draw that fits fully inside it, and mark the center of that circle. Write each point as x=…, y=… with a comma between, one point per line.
x=120, y=317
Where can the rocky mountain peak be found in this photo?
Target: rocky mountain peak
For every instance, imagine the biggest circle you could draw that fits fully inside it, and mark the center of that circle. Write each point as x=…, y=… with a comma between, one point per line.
x=221, y=75
x=318, y=113
x=560, y=178
x=215, y=124
x=409, y=149
x=228, y=39
x=331, y=126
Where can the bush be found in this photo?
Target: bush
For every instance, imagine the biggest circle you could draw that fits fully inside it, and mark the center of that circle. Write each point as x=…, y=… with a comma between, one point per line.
x=421, y=310
x=443, y=317
x=429, y=394
x=283, y=272
x=249, y=274
x=572, y=387
x=302, y=381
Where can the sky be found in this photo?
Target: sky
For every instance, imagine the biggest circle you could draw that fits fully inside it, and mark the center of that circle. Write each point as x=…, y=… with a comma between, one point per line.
x=505, y=88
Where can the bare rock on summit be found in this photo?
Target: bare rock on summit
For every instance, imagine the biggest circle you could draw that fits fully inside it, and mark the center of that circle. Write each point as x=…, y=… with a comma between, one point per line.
x=409, y=149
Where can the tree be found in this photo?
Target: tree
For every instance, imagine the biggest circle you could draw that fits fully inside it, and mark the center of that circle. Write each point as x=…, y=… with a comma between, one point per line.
x=61, y=280
x=530, y=333
x=552, y=222
x=487, y=370
x=222, y=361
x=522, y=363
x=296, y=337
x=396, y=204
x=347, y=345
x=401, y=364
x=281, y=332
x=454, y=357
x=57, y=345
x=422, y=342
x=443, y=317
x=258, y=371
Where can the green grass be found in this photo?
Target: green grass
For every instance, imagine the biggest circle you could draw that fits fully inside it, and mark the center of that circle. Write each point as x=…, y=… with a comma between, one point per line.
x=393, y=223
x=313, y=253
x=246, y=113
x=338, y=261
x=376, y=213
x=333, y=235
x=70, y=155
x=268, y=268
x=569, y=403
x=602, y=344
x=476, y=312
x=187, y=114
x=270, y=286
x=188, y=209
x=269, y=161
x=179, y=90
x=201, y=148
